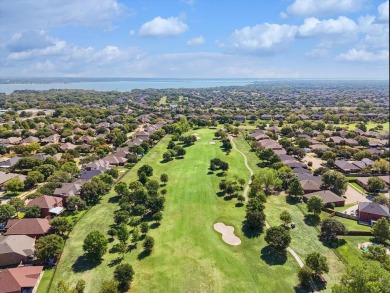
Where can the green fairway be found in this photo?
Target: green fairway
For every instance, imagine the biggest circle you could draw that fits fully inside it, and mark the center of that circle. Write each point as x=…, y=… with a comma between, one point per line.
x=189, y=256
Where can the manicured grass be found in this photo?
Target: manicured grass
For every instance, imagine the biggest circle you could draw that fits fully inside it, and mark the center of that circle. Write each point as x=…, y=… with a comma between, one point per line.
x=342, y=209
x=304, y=237
x=45, y=280
x=163, y=100
x=350, y=250
x=188, y=254
x=351, y=225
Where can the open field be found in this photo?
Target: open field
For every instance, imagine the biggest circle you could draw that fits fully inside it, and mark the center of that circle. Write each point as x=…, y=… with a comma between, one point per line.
x=189, y=256
x=350, y=250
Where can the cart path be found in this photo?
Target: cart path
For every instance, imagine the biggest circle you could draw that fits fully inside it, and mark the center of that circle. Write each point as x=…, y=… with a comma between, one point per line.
x=289, y=249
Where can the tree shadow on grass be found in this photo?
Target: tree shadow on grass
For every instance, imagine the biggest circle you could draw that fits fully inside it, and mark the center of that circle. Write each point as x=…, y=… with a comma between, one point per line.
x=249, y=232
x=320, y=283
x=210, y=173
x=220, y=174
x=302, y=289
x=332, y=244
x=292, y=200
x=272, y=257
x=115, y=262
x=312, y=220
x=154, y=225
x=143, y=254
x=132, y=247
x=83, y=263
x=114, y=199
x=220, y=194
x=179, y=158
x=228, y=197
x=239, y=204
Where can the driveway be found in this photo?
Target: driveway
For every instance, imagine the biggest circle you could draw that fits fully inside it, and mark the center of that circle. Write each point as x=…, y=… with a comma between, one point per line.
x=354, y=196
x=311, y=158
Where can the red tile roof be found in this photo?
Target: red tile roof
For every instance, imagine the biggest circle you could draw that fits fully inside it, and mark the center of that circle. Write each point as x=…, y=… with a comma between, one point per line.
x=33, y=226
x=13, y=280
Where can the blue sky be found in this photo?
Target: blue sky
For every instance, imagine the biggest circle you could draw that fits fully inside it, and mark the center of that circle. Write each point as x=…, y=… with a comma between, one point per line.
x=195, y=38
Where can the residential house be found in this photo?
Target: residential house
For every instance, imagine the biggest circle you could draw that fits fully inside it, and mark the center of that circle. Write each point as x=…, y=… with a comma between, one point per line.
x=68, y=189
x=33, y=227
x=5, y=177
x=346, y=167
x=10, y=162
x=363, y=182
x=21, y=279
x=327, y=196
x=16, y=249
x=30, y=139
x=46, y=204
x=372, y=211
x=55, y=138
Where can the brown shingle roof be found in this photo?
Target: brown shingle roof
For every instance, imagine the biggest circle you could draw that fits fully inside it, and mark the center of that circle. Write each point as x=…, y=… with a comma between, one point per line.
x=45, y=202
x=13, y=280
x=33, y=226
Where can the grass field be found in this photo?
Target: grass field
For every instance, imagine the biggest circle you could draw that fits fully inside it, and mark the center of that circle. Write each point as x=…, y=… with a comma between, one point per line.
x=350, y=250
x=304, y=237
x=189, y=256
x=163, y=101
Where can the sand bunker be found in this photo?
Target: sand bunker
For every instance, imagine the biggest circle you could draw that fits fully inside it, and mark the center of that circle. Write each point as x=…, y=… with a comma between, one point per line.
x=227, y=234
x=212, y=142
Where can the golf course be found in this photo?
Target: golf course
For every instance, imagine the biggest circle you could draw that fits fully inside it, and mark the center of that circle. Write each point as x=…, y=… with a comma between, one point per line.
x=189, y=255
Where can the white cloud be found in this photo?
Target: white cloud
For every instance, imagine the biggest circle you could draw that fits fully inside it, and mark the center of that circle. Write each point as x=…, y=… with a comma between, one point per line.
x=383, y=11
x=54, y=49
x=364, y=56
x=196, y=41
x=44, y=14
x=163, y=27
x=263, y=38
x=315, y=27
x=323, y=7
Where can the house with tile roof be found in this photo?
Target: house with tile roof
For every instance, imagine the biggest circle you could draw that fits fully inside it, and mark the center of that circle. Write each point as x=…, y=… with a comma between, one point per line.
x=20, y=279
x=16, y=249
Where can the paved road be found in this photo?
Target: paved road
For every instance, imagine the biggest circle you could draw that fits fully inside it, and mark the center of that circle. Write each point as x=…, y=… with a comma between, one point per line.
x=289, y=249
x=354, y=196
x=316, y=161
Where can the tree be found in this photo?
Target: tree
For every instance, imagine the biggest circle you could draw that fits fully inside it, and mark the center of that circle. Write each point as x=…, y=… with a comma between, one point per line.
x=34, y=177
x=377, y=253
x=305, y=276
x=144, y=227
x=157, y=217
x=121, y=188
x=145, y=169
x=14, y=185
x=121, y=216
x=255, y=217
x=315, y=204
x=49, y=247
x=152, y=186
x=295, y=188
x=328, y=155
x=363, y=277
x=61, y=225
x=7, y=211
x=381, y=230
x=80, y=286
x=330, y=228
x=32, y=212
x=136, y=235
x=142, y=177
x=124, y=274
x=109, y=286
x=285, y=216
x=46, y=170
x=269, y=179
x=167, y=156
x=76, y=202
x=164, y=178
x=148, y=244
x=123, y=233
x=278, y=238
x=335, y=181
x=113, y=173
x=71, y=168
x=375, y=184
x=317, y=263
x=95, y=245
x=17, y=203
x=381, y=166
x=92, y=191
x=382, y=199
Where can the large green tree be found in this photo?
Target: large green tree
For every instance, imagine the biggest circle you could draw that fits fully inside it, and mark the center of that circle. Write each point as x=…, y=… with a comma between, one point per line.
x=317, y=262
x=381, y=230
x=124, y=274
x=315, y=204
x=278, y=238
x=7, y=211
x=48, y=247
x=95, y=245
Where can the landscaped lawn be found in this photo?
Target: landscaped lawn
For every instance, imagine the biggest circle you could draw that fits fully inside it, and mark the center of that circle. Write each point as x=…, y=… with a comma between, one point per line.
x=304, y=237
x=351, y=225
x=189, y=256
x=350, y=250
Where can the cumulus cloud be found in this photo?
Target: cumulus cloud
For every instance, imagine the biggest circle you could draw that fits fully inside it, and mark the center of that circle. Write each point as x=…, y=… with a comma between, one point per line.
x=44, y=14
x=364, y=56
x=315, y=27
x=263, y=38
x=383, y=11
x=163, y=27
x=322, y=7
x=196, y=41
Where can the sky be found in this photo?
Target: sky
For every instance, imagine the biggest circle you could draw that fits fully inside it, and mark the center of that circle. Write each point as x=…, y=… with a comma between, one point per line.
x=195, y=38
